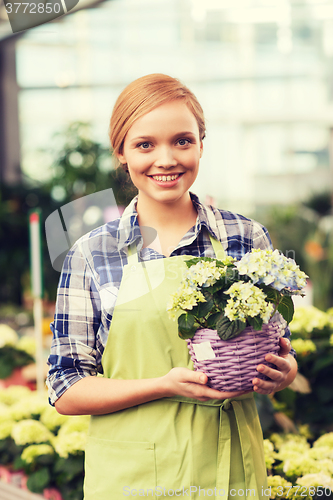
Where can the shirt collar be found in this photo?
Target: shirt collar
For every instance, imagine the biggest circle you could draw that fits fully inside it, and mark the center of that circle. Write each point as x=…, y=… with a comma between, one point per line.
x=130, y=229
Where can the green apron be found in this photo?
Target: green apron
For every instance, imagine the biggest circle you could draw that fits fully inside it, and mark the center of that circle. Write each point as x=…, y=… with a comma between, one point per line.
x=171, y=446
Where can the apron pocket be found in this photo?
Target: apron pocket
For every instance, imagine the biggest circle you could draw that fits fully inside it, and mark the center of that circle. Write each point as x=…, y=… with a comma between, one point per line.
x=114, y=468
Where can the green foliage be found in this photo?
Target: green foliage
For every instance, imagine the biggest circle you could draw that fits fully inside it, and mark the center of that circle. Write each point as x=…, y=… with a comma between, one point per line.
x=315, y=408
x=94, y=173
x=227, y=329
x=9, y=451
x=11, y=358
x=304, y=232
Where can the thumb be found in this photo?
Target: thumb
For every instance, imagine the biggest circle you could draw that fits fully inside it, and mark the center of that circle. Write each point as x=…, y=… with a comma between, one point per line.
x=285, y=346
x=201, y=378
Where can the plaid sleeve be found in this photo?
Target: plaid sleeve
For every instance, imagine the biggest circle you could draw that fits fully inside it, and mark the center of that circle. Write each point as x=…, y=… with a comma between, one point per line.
x=77, y=319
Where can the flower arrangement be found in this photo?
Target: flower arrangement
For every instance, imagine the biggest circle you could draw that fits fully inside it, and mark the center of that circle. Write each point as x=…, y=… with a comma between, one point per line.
x=230, y=295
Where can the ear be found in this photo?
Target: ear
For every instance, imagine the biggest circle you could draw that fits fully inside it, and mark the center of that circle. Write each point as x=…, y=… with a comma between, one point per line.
x=201, y=148
x=121, y=158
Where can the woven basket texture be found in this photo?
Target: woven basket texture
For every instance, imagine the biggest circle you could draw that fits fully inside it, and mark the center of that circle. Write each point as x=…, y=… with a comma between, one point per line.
x=234, y=366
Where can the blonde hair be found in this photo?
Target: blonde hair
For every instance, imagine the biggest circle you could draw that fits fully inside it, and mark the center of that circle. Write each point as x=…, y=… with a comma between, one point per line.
x=142, y=96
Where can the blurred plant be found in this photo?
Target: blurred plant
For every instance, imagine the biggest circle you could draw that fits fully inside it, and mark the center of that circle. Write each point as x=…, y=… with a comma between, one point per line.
x=306, y=233
x=312, y=331
x=13, y=353
x=297, y=470
x=81, y=166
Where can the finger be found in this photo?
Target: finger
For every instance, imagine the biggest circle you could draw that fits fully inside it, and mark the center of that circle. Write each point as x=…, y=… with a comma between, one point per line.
x=280, y=362
x=285, y=346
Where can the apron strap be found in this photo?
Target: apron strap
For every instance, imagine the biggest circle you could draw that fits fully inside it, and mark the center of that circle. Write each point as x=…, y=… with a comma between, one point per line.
x=217, y=247
x=224, y=448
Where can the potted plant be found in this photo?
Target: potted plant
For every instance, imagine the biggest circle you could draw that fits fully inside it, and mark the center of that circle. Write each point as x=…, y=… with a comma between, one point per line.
x=232, y=313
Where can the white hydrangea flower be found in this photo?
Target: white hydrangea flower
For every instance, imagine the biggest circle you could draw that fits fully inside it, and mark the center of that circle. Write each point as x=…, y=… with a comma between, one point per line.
x=307, y=319
x=324, y=440
x=269, y=453
x=6, y=429
x=185, y=298
x=14, y=393
x=303, y=347
x=246, y=300
x=315, y=480
x=272, y=268
x=30, y=453
x=52, y=419
x=70, y=443
x=75, y=424
x=204, y=273
x=30, y=432
x=33, y=404
x=27, y=343
x=8, y=336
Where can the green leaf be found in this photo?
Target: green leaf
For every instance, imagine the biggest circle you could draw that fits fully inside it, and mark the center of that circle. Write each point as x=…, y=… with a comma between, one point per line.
x=271, y=294
x=286, y=308
x=212, y=319
x=186, y=326
x=39, y=480
x=203, y=308
x=227, y=329
x=255, y=322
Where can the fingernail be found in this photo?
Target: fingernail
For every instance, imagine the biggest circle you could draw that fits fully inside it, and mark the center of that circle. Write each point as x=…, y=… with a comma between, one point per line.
x=202, y=378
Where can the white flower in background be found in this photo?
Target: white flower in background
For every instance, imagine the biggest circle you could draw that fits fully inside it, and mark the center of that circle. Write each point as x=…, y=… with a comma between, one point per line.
x=307, y=319
x=269, y=453
x=303, y=347
x=70, y=443
x=8, y=336
x=75, y=424
x=315, y=480
x=31, y=432
x=32, y=405
x=27, y=344
x=293, y=448
x=321, y=452
x=13, y=393
x=324, y=440
x=6, y=429
x=30, y=453
x=52, y=419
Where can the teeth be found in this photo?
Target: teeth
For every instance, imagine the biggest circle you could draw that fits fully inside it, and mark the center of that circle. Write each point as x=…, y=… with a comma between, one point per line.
x=165, y=178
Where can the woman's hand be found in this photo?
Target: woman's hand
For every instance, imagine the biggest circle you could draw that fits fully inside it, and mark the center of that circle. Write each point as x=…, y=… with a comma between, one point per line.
x=192, y=384
x=283, y=374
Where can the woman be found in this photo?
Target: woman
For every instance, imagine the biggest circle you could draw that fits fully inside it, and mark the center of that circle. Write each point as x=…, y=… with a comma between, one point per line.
x=157, y=428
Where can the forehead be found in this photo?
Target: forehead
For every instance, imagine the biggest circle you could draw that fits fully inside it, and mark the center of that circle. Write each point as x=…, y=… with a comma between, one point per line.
x=171, y=117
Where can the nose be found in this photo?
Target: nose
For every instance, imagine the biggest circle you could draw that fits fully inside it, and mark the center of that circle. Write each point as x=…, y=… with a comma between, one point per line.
x=165, y=157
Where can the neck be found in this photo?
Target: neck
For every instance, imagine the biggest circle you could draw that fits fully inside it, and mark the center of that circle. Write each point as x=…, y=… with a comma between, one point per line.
x=167, y=215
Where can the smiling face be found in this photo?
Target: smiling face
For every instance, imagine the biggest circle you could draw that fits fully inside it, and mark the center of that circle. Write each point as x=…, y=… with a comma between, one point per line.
x=162, y=150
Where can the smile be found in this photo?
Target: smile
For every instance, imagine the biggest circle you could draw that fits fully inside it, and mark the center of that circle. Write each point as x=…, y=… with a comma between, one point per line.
x=165, y=178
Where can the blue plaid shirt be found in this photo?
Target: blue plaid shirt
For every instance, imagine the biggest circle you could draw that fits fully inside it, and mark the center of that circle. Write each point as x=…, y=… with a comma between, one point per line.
x=91, y=278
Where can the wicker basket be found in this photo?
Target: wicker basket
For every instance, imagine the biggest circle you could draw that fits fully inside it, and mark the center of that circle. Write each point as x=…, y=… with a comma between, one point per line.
x=234, y=366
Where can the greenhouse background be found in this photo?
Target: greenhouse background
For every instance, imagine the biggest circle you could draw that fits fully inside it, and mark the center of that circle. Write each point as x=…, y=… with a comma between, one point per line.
x=263, y=72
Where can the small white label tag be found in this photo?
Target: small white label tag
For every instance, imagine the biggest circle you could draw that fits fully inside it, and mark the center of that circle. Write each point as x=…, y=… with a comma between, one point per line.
x=203, y=351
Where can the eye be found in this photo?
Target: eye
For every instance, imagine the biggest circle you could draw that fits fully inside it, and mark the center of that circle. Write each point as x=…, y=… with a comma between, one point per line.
x=184, y=142
x=143, y=145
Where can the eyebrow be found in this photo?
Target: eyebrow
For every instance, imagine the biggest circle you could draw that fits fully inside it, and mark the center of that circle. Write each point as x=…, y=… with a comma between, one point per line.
x=150, y=137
